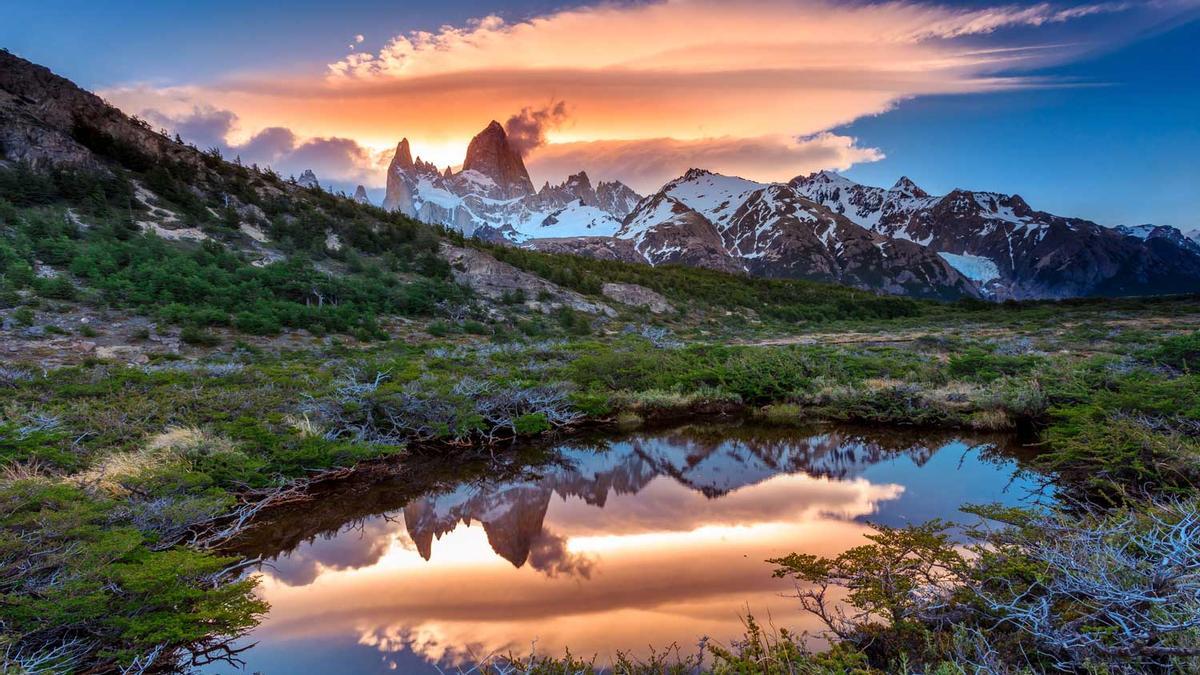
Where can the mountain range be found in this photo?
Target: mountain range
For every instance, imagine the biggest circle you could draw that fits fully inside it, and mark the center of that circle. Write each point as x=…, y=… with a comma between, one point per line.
x=822, y=226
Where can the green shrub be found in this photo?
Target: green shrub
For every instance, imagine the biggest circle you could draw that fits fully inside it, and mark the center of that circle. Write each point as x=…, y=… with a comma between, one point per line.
x=439, y=329
x=475, y=328
x=114, y=593
x=195, y=335
x=534, y=423
x=258, y=322
x=1180, y=351
x=58, y=287
x=979, y=366
x=573, y=322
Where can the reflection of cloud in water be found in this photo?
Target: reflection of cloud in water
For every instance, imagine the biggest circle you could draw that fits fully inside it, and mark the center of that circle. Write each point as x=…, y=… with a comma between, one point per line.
x=549, y=555
x=659, y=581
x=431, y=642
x=663, y=507
x=356, y=546
x=657, y=540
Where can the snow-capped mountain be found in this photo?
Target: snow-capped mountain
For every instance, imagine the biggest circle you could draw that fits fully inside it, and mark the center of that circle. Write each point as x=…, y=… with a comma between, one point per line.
x=493, y=197
x=822, y=227
x=1009, y=248
x=1188, y=240
x=737, y=225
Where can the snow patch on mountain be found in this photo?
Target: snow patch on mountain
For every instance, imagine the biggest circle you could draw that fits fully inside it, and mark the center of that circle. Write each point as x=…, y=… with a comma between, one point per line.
x=974, y=267
x=713, y=196
x=573, y=220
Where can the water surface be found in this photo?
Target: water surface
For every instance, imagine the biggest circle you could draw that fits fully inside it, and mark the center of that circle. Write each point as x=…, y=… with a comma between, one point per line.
x=633, y=542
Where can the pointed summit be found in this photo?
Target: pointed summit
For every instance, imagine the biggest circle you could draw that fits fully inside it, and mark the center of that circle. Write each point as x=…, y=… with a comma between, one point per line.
x=830, y=176
x=400, y=181
x=491, y=155
x=360, y=195
x=403, y=157
x=906, y=186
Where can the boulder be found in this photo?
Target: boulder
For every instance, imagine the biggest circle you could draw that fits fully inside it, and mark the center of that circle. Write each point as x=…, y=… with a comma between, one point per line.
x=493, y=279
x=637, y=296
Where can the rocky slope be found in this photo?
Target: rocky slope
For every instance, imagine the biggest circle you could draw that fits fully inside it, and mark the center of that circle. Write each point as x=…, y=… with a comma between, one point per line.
x=1012, y=250
x=46, y=120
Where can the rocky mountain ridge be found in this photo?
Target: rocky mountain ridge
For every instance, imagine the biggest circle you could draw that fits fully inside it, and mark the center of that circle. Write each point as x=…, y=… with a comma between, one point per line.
x=737, y=225
x=822, y=226
x=492, y=196
x=1012, y=250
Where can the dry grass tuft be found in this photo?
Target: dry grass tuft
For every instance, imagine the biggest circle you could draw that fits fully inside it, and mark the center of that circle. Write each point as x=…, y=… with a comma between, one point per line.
x=173, y=445
x=304, y=426
x=991, y=420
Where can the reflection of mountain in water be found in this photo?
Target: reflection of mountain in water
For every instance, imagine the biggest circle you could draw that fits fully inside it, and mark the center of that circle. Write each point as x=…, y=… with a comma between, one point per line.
x=512, y=514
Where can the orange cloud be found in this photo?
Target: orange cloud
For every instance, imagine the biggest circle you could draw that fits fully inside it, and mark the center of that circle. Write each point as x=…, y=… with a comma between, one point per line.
x=648, y=163
x=687, y=70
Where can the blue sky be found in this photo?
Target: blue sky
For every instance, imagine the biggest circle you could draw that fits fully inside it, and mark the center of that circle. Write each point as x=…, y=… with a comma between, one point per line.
x=1124, y=151
x=1111, y=131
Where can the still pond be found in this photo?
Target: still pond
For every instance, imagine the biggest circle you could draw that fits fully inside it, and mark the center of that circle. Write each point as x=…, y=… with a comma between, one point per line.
x=634, y=541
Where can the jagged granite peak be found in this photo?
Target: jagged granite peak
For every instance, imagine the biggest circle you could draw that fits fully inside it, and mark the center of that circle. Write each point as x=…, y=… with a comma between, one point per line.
x=616, y=198
x=575, y=187
x=490, y=154
x=308, y=179
x=579, y=181
x=829, y=177
x=692, y=174
x=360, y=195
x=492, y=196
x=401, y=181
x=403, y=157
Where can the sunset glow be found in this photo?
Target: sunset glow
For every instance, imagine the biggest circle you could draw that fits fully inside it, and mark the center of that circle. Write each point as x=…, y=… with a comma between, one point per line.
x=753, y=88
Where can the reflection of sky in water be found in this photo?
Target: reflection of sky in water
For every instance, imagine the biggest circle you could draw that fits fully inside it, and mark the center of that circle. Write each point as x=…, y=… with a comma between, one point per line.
x=658, y=540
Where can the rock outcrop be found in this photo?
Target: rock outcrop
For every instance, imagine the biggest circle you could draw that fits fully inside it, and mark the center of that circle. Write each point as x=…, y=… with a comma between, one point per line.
x=637, y=296
x=498, y=280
